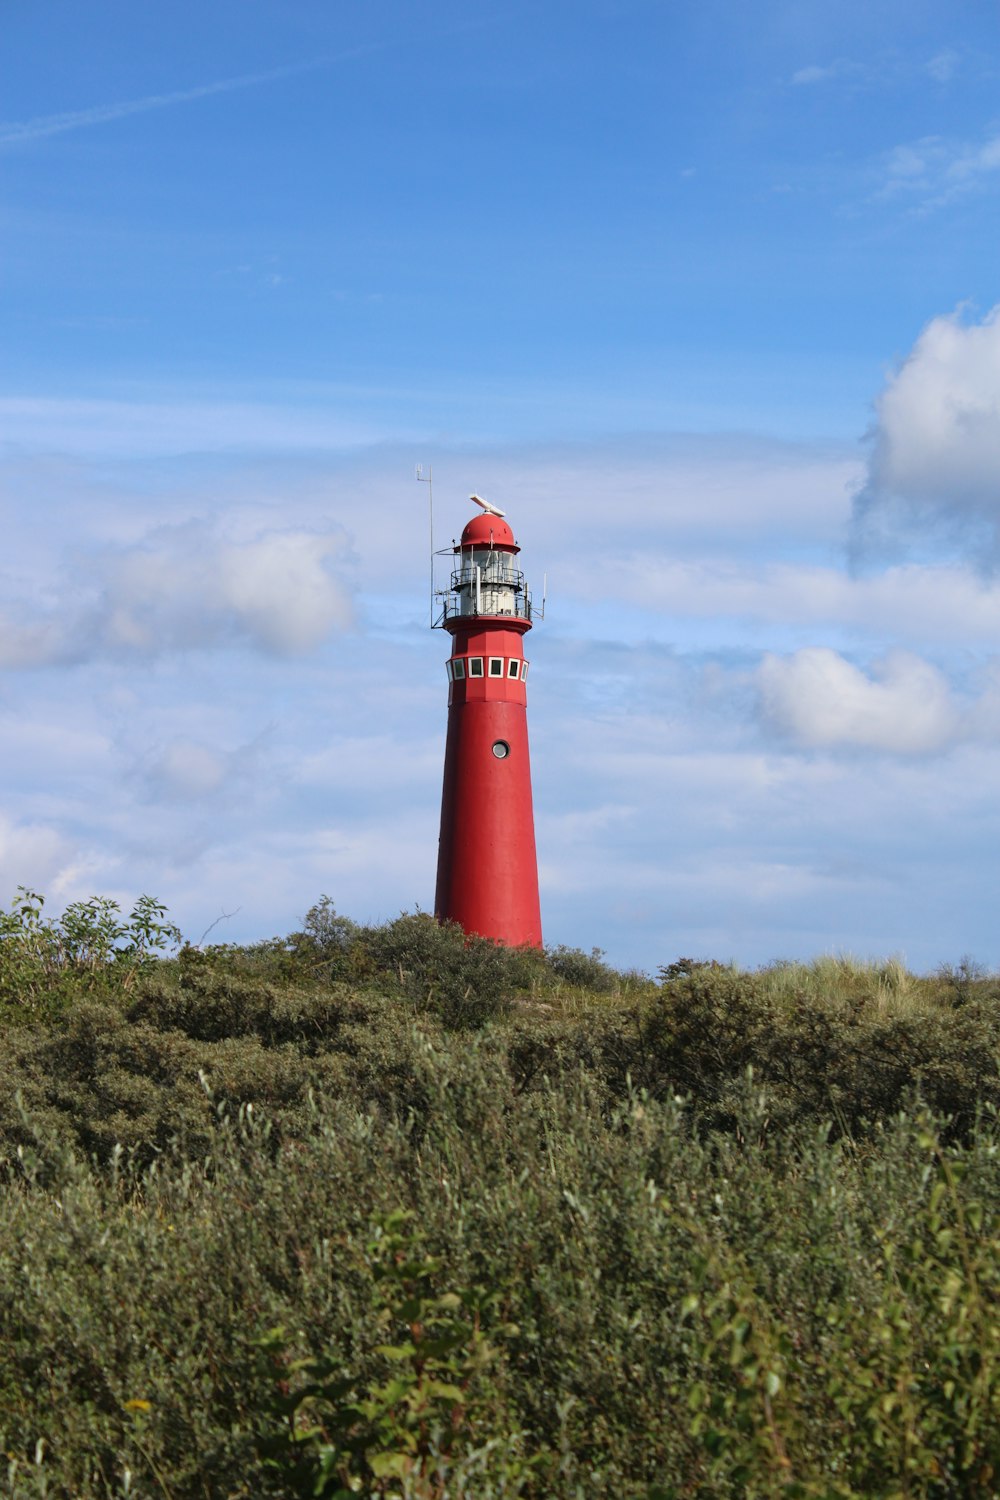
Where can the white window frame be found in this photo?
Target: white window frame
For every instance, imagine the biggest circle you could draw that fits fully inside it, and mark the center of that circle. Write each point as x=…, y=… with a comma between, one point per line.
x=496, y=666
x=475, y=666
x=513, y=669
x=524, y=670
x=457, y=669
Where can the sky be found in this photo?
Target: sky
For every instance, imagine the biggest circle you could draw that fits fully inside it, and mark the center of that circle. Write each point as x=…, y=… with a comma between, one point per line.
x=706, y=297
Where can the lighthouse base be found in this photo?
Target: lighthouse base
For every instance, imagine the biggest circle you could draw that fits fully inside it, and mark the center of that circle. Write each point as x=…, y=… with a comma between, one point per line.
x=487, y=867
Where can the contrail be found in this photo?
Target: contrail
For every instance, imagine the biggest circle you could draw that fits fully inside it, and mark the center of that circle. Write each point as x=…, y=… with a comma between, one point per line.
x=16, y=133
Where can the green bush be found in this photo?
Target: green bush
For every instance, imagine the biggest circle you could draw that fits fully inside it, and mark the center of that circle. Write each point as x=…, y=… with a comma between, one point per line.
x=91, y=947
x=466, y=981
x=620, y=1308
x=583, y=969
x=387, y=1211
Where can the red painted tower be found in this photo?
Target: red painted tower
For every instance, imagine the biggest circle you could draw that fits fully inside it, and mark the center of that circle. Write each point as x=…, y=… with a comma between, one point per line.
x=487, y=870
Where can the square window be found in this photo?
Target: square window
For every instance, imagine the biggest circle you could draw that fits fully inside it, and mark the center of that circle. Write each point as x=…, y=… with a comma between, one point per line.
x=496, y=666
x=458, y=669
x=475, y=666
x=513, y=667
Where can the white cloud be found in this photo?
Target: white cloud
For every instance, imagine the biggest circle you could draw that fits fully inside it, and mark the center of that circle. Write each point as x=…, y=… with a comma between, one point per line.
x=934, y=170
x=31, y=854
x=936, y=451
x=743, y=845
x=280, y=591
x=818, y=699
x=184, y=588
x=912, y=602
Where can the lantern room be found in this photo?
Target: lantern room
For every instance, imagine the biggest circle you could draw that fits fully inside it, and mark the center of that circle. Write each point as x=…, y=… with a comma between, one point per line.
x=486, y=579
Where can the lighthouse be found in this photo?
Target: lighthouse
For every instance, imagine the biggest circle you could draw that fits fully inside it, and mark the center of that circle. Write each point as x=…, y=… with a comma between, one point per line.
x=487, y=878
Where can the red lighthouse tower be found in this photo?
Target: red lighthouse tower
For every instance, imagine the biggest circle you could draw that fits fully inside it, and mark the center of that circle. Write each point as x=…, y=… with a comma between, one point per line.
x=487, y=876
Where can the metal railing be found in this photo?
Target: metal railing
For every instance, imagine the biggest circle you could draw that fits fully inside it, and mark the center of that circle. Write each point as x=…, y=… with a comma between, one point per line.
x=516, y=603
x=497, y=569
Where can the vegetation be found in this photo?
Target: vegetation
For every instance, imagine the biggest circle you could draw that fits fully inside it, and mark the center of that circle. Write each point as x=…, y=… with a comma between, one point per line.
x=383, y=1211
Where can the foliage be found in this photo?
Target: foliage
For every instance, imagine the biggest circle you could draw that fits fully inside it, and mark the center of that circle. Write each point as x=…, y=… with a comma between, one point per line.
x=435, y=966
x=91, y=946
x=380, y=1212
x=583, y=969
x=405, y=1431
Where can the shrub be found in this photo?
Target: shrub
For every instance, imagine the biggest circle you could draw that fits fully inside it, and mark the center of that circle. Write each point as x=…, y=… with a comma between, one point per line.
x=583, y=969
x=466, y=981
x=410, y=1427
x=44, y=963
x=737, y=1236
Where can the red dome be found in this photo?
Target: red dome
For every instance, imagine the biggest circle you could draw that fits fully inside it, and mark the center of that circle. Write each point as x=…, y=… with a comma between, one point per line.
x=487, y=530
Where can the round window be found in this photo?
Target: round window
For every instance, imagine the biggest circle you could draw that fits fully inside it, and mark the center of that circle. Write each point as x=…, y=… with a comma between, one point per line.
x=501, y=749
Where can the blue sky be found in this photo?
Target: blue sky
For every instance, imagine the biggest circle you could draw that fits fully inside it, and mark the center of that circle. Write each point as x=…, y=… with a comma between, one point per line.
x=704, y=296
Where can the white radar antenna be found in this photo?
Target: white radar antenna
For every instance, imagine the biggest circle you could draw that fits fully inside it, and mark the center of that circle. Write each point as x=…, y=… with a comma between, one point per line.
x=491, y=510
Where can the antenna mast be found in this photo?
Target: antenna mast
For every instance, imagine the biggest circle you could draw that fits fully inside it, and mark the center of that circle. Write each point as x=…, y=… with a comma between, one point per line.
x=428, y=479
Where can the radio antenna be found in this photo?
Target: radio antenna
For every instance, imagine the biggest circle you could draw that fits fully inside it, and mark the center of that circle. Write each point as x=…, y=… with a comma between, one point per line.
x=428, y=479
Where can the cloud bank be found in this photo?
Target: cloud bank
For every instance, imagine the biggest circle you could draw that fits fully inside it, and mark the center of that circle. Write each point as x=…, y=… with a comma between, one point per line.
x=695, y=739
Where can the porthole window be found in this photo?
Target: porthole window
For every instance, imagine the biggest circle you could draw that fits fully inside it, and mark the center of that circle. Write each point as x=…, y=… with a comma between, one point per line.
x=475, y=666
x=496, y=666
x=458, y=669
x=501, y=749
x=513, y=667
